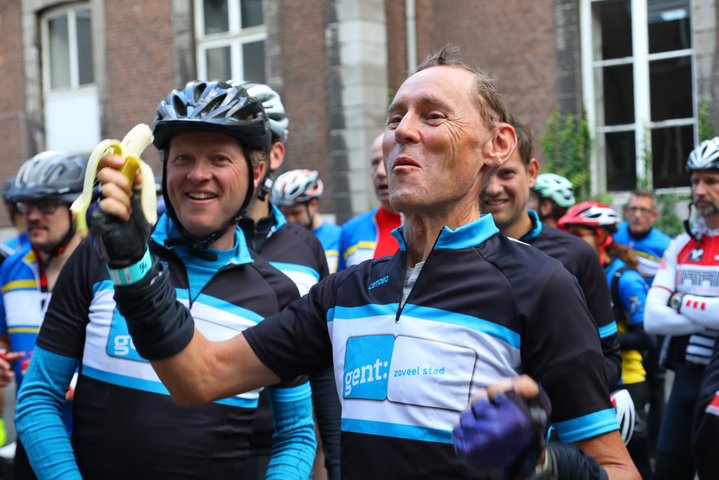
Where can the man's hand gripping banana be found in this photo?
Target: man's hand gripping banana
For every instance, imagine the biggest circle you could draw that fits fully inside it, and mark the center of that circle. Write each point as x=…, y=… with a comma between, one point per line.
x=128, y=208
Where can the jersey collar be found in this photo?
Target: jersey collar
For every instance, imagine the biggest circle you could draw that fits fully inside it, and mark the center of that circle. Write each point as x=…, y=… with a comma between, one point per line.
x=536, y=226
x=466, y=236
x=239, y=254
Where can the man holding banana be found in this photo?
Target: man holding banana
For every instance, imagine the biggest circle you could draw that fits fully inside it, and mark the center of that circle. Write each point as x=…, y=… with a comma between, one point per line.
x=214, y=139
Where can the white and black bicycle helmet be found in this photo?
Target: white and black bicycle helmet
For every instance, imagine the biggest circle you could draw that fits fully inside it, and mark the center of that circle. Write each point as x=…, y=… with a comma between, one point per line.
x=626, y=413
x=296, y=186
x=272, y=103
x=217, y=107
x=705, y=156
x=556, y=188
x=51, y=174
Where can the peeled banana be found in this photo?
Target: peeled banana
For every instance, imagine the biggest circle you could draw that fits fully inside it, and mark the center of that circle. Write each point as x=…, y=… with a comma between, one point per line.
x=130, y=148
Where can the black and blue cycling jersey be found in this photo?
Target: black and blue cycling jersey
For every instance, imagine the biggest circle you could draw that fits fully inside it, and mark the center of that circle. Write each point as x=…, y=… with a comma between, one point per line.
x=483, y=307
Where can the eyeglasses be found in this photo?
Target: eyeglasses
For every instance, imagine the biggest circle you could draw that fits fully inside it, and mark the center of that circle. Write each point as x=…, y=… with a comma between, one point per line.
x=642, y=210
x=47, y=206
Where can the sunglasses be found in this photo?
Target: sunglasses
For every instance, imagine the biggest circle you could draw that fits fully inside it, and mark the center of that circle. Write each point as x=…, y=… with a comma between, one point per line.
x=47, y=206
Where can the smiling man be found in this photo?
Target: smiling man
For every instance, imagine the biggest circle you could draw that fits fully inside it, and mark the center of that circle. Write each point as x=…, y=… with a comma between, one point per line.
x=413, y=336
x=214, y=140
x=504, y=194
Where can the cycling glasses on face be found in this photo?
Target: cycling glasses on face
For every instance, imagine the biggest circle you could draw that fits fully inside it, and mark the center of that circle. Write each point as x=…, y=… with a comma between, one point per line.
x=47, y=206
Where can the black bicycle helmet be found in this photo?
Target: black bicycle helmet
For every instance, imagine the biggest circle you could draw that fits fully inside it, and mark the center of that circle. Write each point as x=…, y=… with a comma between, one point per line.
x=216, y=107
x=7, y=189
x=51, y=174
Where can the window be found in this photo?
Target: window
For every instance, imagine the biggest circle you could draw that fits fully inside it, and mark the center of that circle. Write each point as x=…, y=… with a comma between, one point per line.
x=230, y=39
x=71, y=108
x=638, y=87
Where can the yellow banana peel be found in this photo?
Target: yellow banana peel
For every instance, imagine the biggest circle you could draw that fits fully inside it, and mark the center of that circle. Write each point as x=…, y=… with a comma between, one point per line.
x=130, y=148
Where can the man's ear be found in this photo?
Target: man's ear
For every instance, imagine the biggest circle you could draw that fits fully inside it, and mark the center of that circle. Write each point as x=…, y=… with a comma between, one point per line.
x=277, y=155
x=257, y=173
x=500, y=147
x=532, y=171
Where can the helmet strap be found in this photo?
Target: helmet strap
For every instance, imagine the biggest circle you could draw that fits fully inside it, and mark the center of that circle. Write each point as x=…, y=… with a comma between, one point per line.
x=687, y=224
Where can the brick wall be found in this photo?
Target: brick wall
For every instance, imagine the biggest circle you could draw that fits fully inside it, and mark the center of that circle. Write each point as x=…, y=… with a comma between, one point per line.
x=13, y=126
x=139, y=56
x=305, y=90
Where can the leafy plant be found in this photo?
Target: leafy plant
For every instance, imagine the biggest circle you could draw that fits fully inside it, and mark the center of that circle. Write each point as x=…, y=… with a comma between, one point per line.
x=668, y=220
x=705, y=125
x=567, y=147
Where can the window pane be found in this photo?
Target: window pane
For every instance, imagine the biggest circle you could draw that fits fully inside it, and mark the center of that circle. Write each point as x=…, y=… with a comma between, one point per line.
x=618, y=95
x=621, y=162
x=216, y=16
x=59, y=52
x=615, y=19
x=251, y=13
x=671, y=88
x=84, y=46
x=670, y=149
x=218, y=63
x=669, y=26
x=253, y=61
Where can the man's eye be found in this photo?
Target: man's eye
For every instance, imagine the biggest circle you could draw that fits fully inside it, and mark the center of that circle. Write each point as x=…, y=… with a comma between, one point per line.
x=394, y=119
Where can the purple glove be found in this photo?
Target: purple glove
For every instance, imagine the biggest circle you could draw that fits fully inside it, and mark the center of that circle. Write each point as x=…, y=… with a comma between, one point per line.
x=506, y=433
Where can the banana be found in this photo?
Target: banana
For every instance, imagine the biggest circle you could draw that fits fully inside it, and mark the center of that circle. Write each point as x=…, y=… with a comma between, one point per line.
x=130, y=149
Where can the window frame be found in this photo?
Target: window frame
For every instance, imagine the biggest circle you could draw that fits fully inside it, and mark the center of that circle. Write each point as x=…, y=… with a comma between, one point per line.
x=70, y=12
x=640, y=61
x=235, y=37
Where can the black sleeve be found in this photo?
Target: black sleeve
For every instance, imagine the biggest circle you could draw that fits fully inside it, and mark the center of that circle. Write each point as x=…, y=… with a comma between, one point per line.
x=160, y=326
x=596, y=293
x=296, y=341
x=560, y=349
x=63, y=328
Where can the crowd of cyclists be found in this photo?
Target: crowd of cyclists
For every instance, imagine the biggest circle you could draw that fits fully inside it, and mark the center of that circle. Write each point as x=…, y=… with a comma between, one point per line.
x=367, y=373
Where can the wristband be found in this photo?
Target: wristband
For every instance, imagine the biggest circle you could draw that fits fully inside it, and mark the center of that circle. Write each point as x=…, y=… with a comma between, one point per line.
x=133, y=273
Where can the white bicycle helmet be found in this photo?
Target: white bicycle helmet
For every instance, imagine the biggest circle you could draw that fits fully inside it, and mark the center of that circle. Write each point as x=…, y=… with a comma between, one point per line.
x=555, y=188
x=296, y=186
x=272, y=103
x=626, y=414
x=705, y=156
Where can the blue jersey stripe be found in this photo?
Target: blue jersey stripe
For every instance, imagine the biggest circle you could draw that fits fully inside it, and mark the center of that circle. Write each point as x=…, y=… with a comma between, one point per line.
x=587, y=426
x=608, y=329
x=484, y=326
x=386, y=429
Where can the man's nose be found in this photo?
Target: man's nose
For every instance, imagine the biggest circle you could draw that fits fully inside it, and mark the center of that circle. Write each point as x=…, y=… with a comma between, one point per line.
x=406, y=131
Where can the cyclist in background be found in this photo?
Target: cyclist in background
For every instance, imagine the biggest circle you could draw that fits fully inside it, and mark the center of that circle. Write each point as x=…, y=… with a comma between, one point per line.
x=595, y=223
x=550, y=197
x=44, y=188
x=683, y=302
x=504, y=194
x=297, y=253
x=297, y=194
